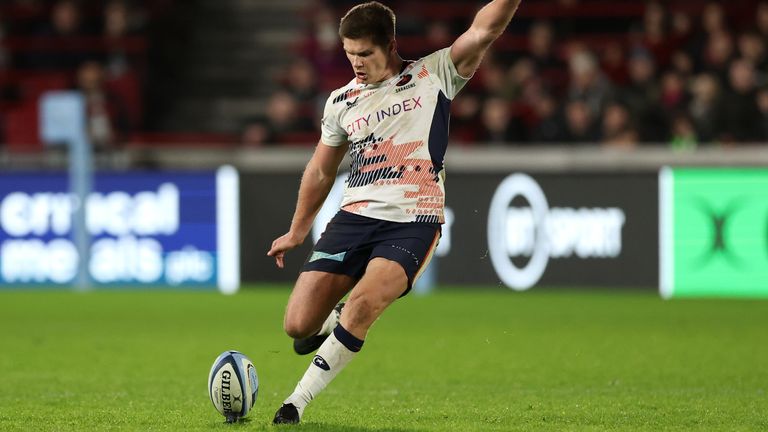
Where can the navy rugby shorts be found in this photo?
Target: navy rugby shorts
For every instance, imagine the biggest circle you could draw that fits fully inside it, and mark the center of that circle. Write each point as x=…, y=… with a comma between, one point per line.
x=350, y=241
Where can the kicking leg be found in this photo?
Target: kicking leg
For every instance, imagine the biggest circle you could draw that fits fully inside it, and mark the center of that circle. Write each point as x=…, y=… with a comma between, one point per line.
x=312, y=300
x=384, y=281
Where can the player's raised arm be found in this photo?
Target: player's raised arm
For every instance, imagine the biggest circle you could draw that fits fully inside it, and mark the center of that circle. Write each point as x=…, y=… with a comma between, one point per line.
x=316, y=183
x=468, y=50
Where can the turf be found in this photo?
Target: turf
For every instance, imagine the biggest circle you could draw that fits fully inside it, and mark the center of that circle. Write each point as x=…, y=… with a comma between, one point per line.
x=459, y=360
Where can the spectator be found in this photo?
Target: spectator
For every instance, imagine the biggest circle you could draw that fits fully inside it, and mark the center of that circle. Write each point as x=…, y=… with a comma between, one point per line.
x=705, y=108
x=321, y=48
x=752, y=48
x=499, y=123
x=712, y=22
x=580, y=126
x=116, y=27
x=713, y=18
x=655, y=38
x=541, y=47
x=255, y=134
x=673, y=95
x=493, y=79
x=121, y=20
x=587, y=82
x=531, y=91
x=107, y=121
x=617, y=128
x=300, y=81
x=541, y=50
x=520, y=75
x=741, y=115
x=64, y=29
x=718, y=54
x=550, y=127
x=614, y=64
x=682, y=65
x=66, y=20
x=281, y=123
x=683, y=133
x=642, y=97
x=681, y=30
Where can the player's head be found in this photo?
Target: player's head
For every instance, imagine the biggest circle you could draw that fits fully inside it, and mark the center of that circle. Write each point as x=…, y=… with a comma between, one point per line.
x=367, y=32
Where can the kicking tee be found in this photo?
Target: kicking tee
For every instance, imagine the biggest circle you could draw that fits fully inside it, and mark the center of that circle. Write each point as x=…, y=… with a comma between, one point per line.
x=397, y=132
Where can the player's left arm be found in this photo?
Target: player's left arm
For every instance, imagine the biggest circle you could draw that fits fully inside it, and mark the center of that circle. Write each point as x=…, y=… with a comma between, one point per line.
x=468, y=50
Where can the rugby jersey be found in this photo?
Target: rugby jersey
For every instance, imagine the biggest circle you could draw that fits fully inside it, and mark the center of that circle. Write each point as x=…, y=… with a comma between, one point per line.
x=397, y=132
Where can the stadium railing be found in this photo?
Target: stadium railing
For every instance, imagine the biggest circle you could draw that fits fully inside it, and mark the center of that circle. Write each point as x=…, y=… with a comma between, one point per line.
x=480, y=158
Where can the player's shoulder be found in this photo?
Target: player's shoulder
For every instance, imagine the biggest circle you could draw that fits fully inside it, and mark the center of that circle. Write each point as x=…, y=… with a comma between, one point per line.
x=343, y=93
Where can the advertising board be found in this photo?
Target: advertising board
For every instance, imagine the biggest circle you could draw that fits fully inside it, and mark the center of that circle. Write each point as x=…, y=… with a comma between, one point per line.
x=177, y=229
x=518, y=230
x=714, y=232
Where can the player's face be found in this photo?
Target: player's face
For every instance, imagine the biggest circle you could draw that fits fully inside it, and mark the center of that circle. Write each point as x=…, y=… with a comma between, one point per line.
x=368, y=60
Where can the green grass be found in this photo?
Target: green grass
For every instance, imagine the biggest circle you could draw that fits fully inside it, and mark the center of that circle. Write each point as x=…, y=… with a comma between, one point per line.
x=460, y=360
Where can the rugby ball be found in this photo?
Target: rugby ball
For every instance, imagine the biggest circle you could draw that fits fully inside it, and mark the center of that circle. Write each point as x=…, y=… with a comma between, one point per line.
x=233, y=385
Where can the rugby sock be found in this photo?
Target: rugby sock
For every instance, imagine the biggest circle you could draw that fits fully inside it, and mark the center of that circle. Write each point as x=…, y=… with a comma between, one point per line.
x=340, y=347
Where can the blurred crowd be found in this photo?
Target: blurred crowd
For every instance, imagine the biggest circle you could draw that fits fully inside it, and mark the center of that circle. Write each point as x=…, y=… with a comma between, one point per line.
x=680, y=73
x=677, y=73
x=93, y=46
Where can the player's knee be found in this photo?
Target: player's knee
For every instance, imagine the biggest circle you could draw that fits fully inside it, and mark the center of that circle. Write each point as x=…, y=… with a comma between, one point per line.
x=297, y=328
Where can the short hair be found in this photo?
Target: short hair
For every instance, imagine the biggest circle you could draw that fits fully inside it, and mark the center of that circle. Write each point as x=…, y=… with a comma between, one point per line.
x=369, y=20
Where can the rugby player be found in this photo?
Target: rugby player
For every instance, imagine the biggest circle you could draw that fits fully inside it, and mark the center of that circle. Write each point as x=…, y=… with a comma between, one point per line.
x=392, y=117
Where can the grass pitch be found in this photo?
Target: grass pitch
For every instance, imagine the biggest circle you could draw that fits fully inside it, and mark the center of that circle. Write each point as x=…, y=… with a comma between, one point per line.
x=459, y=360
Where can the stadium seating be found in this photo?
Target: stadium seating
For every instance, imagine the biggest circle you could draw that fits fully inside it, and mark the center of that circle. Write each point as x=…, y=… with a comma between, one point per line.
x=186, y=92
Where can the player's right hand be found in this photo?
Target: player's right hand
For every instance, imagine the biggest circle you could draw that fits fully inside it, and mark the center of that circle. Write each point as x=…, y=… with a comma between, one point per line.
x=281, y=245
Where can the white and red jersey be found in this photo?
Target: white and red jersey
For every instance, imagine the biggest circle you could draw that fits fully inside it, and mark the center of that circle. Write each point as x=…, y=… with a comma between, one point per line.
x=397, y=132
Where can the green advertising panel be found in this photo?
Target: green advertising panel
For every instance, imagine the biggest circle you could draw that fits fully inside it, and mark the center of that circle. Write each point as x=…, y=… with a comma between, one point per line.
x=713, y=232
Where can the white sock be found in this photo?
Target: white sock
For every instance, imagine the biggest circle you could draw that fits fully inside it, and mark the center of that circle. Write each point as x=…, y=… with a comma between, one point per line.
x=331, y=358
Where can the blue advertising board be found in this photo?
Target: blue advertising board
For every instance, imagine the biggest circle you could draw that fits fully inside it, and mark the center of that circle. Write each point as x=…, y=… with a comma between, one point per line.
x=178, y=229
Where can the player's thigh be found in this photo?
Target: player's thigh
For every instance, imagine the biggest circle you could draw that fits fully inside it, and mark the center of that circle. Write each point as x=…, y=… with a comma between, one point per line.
x=312, y=299
x=384, y=281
